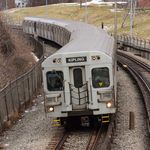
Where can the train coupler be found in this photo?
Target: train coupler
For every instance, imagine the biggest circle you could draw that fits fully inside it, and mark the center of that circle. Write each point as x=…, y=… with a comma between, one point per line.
x=85, y=121
x=56, y=122
x=105, y=119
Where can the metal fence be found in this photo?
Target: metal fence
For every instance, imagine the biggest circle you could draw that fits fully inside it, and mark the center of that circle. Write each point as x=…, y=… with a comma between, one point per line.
x=135, y=45
x=17, y=95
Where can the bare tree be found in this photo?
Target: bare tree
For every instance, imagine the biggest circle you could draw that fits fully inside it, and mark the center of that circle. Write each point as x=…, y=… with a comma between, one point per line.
x=6, y=4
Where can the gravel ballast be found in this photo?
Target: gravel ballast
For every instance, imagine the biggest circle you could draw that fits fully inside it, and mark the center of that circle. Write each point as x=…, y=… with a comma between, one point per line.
x=31, y=132
x=130, y=100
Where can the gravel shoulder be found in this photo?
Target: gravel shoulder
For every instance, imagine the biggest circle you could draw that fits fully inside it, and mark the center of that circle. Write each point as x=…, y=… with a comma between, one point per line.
x=130, y=100
x=31, y=132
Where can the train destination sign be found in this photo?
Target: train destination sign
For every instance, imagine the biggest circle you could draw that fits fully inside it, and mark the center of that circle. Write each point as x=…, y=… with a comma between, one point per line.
x=76, y=59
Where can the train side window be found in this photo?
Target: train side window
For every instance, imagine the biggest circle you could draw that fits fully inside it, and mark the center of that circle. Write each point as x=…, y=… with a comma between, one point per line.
x=77, y=75
x=100, y=77
x=55, y=80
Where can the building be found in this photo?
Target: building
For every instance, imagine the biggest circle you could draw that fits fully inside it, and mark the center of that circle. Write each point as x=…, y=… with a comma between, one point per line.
x=143, y=3
x=21, y=3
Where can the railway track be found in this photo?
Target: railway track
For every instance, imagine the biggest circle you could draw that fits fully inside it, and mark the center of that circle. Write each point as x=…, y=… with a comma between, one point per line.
x=58, y=137
x=141, y=73
x=93, y=140
x=80, y=139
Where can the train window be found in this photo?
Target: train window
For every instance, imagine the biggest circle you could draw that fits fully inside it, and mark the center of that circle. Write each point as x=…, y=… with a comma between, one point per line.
x=77, y=75
x=55, y=80
x=100, y=77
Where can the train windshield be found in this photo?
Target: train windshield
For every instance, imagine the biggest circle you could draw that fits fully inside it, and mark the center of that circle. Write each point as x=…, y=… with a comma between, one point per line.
x=100, y=77
x=55, y=80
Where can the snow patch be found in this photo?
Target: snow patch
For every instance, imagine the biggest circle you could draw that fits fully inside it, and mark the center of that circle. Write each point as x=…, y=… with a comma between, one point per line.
x=101, y=2
x=95, y=2
x=66, y=4
x=35, y=57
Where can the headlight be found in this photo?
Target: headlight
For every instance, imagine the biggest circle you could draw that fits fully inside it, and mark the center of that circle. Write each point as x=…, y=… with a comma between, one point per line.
x=108, y=104
x=50, y=108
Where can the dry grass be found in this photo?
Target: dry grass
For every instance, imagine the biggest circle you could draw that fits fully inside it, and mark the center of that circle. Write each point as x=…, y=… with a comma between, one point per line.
x=15, y=55
x=96, y=15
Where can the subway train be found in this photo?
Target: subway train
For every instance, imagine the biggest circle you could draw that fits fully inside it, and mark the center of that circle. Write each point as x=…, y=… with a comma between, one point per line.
x=79, y=79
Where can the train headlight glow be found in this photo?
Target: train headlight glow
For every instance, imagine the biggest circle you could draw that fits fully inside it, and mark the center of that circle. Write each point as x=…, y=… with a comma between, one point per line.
x=93, y=58
x=109, y=104
x=50, y=109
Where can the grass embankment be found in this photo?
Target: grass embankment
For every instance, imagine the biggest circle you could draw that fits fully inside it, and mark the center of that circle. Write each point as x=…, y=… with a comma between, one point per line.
x=15, y=55
x=96, y=15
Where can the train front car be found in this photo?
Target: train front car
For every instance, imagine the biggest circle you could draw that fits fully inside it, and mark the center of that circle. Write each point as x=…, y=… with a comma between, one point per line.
x=79, y=79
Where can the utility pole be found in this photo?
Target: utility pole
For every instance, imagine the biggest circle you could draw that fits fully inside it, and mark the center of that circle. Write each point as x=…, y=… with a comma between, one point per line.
x=86, y=14
x=80, y=3
x=115, y=25
x=115, y=48
x=131, y=10
x=21, y=4
x=46, y=9
x=131, y=18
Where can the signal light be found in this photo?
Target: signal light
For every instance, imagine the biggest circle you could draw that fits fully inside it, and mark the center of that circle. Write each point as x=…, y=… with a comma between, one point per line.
x=57, y=60
x=95, y=58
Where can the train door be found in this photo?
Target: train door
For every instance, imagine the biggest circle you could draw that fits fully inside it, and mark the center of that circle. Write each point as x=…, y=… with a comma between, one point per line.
x=78, y=88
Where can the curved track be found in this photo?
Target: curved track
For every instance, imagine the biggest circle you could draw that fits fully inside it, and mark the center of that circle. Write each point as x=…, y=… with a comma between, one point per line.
x=141, y=72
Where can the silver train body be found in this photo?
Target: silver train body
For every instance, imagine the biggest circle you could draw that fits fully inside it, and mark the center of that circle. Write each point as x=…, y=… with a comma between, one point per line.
x=79, y=79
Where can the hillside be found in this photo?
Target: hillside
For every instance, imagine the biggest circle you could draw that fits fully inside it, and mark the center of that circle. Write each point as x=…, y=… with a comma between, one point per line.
x=96, y=14
x=15, y=55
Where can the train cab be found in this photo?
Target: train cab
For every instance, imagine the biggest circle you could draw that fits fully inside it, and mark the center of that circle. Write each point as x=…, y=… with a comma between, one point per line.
x=78, y=84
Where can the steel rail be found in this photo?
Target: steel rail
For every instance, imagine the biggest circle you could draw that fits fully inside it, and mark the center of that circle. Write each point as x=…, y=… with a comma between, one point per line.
x=142, y=64
x=142, y=82
x=57, y=140
x=60, y=144
x=94, y=138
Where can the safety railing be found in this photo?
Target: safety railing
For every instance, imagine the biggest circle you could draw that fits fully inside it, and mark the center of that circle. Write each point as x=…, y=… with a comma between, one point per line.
x=135, y=45
x=134, y=42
